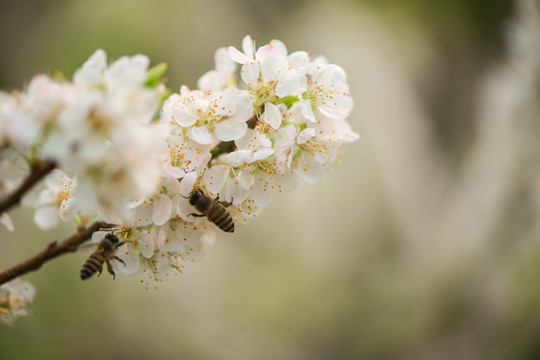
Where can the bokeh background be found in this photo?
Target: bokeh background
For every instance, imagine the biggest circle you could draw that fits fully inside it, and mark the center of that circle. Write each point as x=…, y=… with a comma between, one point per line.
x=424, y=244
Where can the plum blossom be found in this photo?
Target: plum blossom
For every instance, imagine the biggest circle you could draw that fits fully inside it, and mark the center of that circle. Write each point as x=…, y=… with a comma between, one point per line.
x=16, y=299
x=124, y=160
x=211, y=116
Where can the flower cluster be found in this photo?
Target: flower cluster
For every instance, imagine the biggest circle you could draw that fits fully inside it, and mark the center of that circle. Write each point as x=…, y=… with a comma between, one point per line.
x=238, y=137
x=16, y=299
x=96, y=128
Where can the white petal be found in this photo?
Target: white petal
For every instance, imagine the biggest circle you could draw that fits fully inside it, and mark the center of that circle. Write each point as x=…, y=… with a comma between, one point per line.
x=146, y=243
x=92, y=70
x=235, y=192
x=244, y=106
x=162, y=236
x=46, y=198
x=278, y=47
x=244, y=140
x=287, y=182
x=288, y=82
x=224, y=62
x=305, y=135
x=248, y=46
x=263, y=52
x=272, y=115
x=130, y=257
x=238, y=158
x=201, y=135
x=312, y=170
x=211, y=80
x=172, y=184
x=162, y=210
x=97, y=236
x=330, y=74
x=250, y=74
x=245, y=179
x=56, y=180
x=263, y=140
x=143, y=214
x=228, y=130
x=298, y=59
x=209, y=237
x=261, y=193
x=5, y=219
x=215, y=177
x=46, y=217
x=307, y=110
x=183, y=115
x=262, y=154
x=237, y=56
x=186, y=185
x=173, y=171
x=183, y=208
x=273, y=67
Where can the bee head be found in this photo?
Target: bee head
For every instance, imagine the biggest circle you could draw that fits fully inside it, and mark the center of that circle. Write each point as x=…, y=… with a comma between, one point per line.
x=109, y=241
x=199, y=200
x=195, y=196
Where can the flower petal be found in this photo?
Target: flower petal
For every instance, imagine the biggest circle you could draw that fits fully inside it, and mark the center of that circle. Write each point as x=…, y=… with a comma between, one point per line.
x=215, y=177
x=228, y=130
x=5, y=220
x=307, y=110
x=237, y=56
x=224, y=62
x=146, y=243
x=248, y=46
x=162, y=210
x=186, y=185
x=288, y=82
x=183, y=207
x=201, y=135
x=272, y=115
x=305, y=135
x=46, y=217
x=250, y=74
x=238, y=158
x=130, y=257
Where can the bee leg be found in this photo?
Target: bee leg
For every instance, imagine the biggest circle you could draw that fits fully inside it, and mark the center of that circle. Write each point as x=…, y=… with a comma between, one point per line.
x=117, y=258
x=110, y=269
x=197, y=215
x=100, y=269
x=226, y=203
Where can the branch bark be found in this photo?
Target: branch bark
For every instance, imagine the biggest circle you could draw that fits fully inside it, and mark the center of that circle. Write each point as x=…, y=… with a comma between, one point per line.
x=38, y=172
x=53, y=250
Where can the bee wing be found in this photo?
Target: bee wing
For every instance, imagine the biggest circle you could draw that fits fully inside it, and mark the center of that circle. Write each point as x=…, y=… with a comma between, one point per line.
x=92, y=246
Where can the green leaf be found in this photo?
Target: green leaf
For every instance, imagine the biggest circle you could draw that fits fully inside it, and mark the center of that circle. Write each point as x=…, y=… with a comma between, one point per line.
x=59, y=76
x=153, y=78
x=288, y=101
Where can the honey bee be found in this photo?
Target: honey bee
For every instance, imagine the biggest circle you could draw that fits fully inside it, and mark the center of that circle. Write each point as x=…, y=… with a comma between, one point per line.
x=103, y=253
x=215, y=210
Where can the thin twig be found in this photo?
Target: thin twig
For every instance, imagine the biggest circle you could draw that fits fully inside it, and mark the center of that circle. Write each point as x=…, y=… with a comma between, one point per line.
x=38, y=172
x=53, y=250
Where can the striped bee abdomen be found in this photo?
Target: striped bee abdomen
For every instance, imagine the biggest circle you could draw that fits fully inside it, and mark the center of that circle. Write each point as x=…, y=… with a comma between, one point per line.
x=221, y=217
x=92, y=265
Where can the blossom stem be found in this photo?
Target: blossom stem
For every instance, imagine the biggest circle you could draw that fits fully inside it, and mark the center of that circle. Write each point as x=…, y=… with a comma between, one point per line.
x=38, y=171
x=52, y=250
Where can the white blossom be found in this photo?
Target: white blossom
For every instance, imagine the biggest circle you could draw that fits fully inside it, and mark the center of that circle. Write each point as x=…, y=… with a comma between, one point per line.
x=16, y=299
x=240, y=141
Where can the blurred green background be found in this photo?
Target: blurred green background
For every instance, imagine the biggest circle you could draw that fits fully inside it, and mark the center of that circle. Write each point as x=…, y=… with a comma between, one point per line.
x=424, y=244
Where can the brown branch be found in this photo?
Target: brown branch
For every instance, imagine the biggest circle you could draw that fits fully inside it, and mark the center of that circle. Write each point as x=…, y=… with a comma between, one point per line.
x=53, y=250
x=39, y=170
